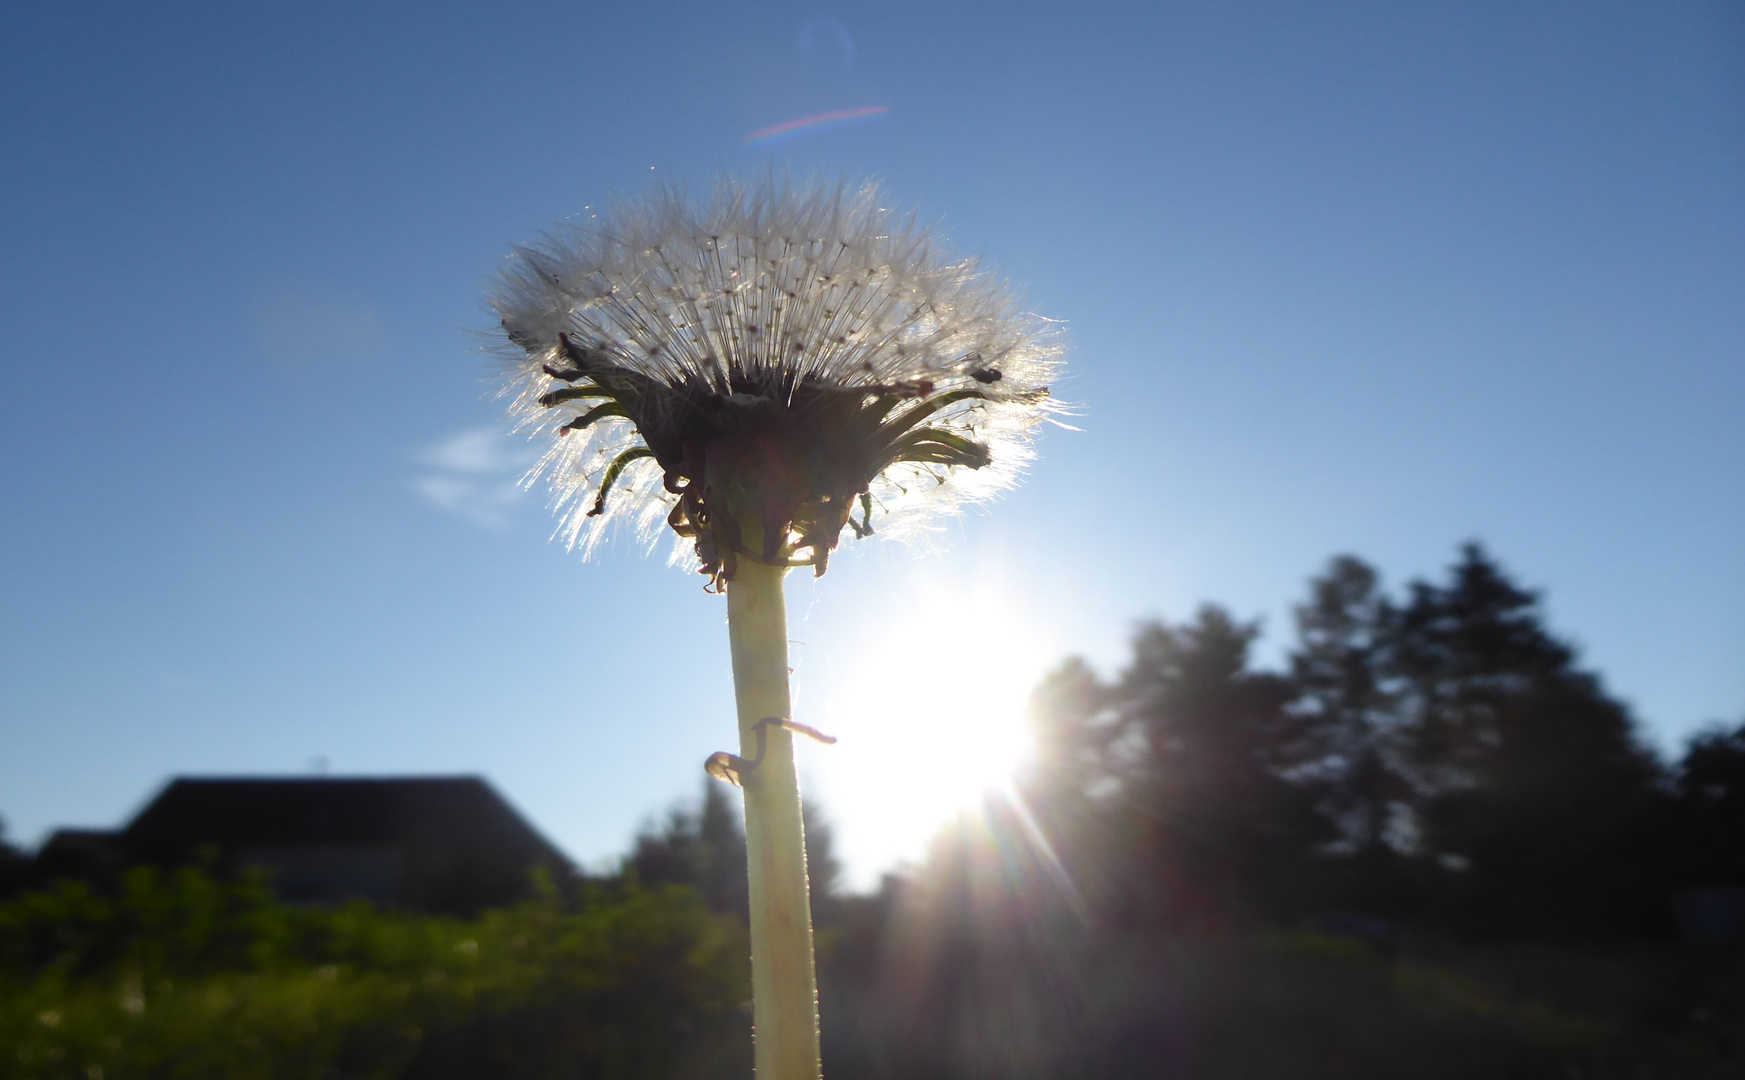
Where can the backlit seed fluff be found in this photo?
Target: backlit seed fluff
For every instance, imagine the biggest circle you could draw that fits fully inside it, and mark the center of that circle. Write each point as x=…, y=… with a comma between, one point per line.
x=765, y=371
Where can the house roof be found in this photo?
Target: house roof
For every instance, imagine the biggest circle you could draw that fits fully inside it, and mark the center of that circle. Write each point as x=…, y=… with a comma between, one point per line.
x=417, y=811
x=432, y=842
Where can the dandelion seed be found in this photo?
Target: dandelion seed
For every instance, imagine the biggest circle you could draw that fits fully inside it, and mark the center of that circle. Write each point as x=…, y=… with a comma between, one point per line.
x=761, y=431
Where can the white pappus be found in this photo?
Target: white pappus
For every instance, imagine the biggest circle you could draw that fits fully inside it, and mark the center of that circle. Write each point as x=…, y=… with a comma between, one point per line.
x=760, y=370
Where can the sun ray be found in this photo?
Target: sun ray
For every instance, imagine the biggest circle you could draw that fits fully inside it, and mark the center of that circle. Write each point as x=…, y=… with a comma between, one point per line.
x=922, y=738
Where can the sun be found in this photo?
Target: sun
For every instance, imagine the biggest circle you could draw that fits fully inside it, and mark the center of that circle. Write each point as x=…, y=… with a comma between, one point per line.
x=926, y=731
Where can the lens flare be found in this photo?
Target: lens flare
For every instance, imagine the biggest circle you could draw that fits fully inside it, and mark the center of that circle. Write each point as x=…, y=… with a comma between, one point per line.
x=808, y=125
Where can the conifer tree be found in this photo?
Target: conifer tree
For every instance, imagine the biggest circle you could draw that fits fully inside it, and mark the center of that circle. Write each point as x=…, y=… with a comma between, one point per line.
x=1348, y=701
x=1709, y=824
x=1538, y=796
x=1219, y=746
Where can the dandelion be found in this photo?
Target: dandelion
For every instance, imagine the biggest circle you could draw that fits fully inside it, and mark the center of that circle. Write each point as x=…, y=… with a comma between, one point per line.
x=760, y=375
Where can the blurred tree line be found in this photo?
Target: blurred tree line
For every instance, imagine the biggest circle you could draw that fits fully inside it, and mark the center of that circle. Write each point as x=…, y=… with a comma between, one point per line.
x=1441, y=761
x=1432, y=846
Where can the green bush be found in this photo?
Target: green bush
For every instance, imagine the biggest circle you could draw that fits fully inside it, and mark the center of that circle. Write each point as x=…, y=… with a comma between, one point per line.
x=180, y=975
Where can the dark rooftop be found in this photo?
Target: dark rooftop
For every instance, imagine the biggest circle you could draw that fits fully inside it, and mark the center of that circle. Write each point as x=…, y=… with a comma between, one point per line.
x=443, y=843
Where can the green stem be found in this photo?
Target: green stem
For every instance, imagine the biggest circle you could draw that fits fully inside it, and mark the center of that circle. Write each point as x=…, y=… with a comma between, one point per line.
x=784, y=993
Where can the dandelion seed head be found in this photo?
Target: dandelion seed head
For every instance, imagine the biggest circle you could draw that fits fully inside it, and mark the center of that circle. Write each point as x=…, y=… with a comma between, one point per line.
x=754, y=371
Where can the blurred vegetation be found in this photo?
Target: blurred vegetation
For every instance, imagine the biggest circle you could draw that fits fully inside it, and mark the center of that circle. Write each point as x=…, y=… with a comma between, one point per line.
x=183, y=976
x=1432, y=846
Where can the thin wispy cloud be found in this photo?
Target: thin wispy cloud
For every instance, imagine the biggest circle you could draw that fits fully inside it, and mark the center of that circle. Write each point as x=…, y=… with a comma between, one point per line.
x=473, y=474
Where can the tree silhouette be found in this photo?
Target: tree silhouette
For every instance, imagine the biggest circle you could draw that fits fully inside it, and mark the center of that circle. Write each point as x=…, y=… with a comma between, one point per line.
x=702, y=845
x=1537, y=797
x=1230, y=834
x=15, y=867
x=1710, y=812
x=1176, y=779
x=1443, y=755
x=1349, y=703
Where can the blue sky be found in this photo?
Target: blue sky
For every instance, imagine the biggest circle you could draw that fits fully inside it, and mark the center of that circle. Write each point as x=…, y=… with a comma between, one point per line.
x=1375, y=278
